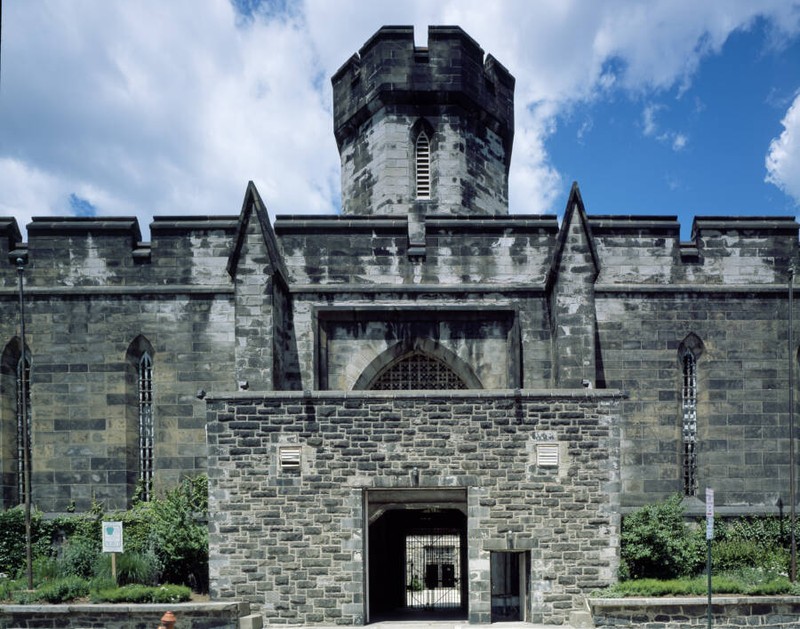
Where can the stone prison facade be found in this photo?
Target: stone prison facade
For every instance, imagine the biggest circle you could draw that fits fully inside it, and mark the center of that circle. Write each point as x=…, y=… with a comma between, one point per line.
x=424, y=406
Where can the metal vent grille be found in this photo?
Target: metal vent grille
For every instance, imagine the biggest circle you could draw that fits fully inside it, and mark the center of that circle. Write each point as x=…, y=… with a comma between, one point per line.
x=547, y=455
x=289, y=457
x=417, y=371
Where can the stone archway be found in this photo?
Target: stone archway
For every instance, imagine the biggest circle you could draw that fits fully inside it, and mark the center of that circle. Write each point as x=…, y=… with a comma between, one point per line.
x=417, y=365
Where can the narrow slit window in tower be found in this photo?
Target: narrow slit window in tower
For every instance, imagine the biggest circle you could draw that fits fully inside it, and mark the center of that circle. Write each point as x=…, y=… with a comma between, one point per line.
x=423, y=166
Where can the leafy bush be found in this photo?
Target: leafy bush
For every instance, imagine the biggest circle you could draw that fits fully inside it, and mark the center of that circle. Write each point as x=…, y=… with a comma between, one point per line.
x=735, y=554
x=78, y=558
x=166, y=539
x=57, y=591
x=657, y=543
x=12, y=539
x=142, y=594
x=698, y=586
x=179, y=534
x=131, y=568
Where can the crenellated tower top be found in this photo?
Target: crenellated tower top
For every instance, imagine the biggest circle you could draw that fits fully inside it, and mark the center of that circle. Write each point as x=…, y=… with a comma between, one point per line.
x=426, y=128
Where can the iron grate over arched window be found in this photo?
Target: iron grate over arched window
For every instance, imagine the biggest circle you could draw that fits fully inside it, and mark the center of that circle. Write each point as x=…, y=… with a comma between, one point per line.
x=689, y=432
x=416, y=371
x=146, y=427
x=23, y=422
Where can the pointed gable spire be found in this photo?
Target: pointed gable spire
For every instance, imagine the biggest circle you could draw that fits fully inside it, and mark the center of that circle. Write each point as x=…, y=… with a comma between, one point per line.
x=575, y=208
x=254, y=206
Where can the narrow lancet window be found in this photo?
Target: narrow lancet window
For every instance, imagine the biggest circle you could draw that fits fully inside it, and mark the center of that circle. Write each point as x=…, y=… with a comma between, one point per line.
x=146, y=431
x=689, y=436
x=23, y=423
x=423, y=166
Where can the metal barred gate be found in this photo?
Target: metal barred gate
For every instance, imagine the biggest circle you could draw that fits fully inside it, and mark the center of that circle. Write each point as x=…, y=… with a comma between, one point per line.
x=433, y=570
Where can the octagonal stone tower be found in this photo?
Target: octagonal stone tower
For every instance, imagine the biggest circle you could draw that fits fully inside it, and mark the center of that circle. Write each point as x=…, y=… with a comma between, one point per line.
x=423, y=130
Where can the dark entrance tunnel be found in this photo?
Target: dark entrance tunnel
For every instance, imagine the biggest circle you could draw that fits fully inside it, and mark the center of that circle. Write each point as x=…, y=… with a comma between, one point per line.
x=418, y=564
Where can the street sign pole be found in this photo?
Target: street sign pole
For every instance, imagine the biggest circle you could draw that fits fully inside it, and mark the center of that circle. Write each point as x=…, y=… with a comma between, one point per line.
x=112, y=543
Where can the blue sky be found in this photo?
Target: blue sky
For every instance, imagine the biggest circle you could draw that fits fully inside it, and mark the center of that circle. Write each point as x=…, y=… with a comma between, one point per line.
x=112, y=107
x=688, y=150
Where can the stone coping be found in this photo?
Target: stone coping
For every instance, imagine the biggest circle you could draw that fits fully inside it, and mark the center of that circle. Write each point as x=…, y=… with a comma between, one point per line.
x=669, y=601
x=116, y=608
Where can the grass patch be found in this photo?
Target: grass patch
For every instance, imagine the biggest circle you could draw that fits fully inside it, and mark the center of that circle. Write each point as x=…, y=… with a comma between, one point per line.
x=143, y=594
x=740, y=583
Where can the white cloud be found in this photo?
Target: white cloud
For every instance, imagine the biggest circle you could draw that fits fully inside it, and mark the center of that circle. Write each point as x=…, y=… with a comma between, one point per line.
x=170, y=107
x=783, y=157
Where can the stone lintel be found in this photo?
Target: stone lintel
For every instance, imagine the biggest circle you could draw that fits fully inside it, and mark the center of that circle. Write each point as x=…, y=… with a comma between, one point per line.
x=771, y=224
x=54, y=226
x=144, y=289
x=194, y=223
x=719, y=289
x=463, y=394
x=530, y=290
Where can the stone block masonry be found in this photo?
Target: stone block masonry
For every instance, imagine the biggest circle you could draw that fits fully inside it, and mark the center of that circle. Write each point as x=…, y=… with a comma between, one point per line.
x=290, y=539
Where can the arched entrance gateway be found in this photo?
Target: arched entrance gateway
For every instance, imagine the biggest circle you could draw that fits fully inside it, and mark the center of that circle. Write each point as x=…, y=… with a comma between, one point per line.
x=417, y=554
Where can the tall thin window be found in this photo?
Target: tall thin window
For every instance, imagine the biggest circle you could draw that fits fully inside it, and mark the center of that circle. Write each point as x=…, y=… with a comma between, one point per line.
x=23, y=422
x=146, y=431
x=422, y=154
x=689, y=433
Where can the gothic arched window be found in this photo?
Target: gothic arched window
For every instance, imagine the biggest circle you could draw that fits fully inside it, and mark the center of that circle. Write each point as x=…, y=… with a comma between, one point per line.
x=689, y=415
x=146, y=429
x=23, y=423
x=414, y=371
x=422, y=165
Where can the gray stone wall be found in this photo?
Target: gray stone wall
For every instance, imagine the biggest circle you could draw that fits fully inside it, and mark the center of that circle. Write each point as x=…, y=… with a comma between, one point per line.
x=742, y=396
x=767, y=612
x=291, y=542
x=89, y=295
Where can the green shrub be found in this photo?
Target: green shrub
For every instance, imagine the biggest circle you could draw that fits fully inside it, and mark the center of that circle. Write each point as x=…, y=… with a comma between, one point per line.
x=78, y=558
x=657, y=543
x=142, y=594
x=179, y=534
x=141, y=568
x=166, y=539
x=736, y=554
x=698, y=586
x=12, y=539
x=45, y=569
x=8, y=587
x=169, y=593
x=57, y=591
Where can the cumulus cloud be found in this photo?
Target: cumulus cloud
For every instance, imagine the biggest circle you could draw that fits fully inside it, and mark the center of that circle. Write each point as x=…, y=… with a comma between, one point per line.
x=147, y=107
x=783, y=157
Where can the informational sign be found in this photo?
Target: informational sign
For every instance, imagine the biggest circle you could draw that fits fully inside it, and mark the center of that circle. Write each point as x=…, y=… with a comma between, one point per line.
x=709, y=513
x=112, y=537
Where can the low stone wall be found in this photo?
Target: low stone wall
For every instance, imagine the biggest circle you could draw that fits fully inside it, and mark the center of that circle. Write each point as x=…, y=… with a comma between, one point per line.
x=765, y=612
x=190, y=616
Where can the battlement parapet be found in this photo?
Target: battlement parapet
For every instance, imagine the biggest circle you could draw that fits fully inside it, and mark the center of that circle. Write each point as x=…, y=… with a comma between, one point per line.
x=390, y=71
x=722, y=251
x=80, y=251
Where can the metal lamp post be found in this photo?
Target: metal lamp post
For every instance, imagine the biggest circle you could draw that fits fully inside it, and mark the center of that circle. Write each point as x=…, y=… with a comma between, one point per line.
x=792, y=491
x=26, y=445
